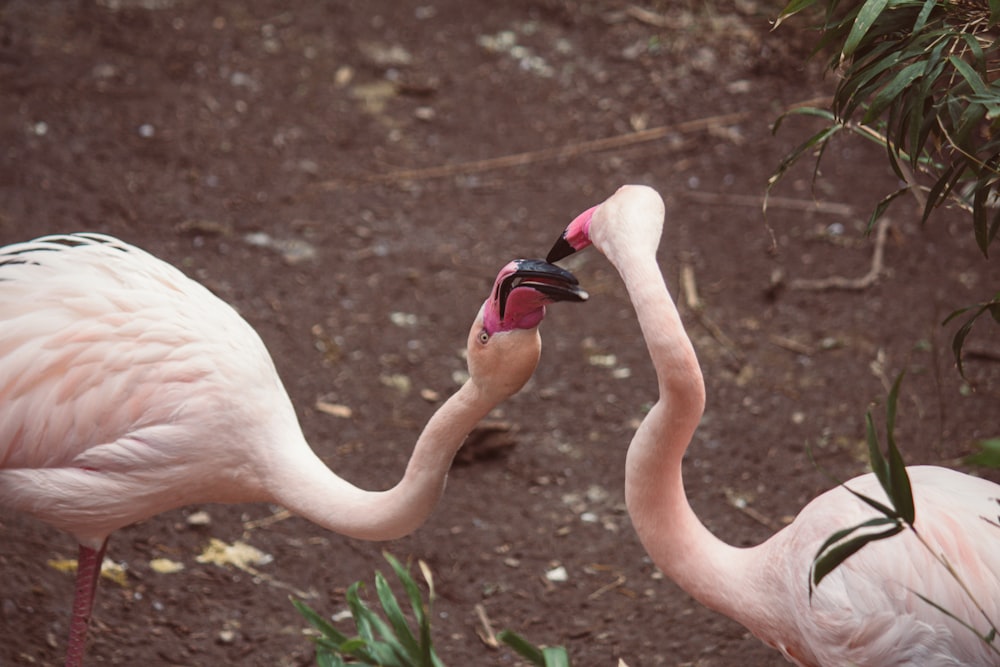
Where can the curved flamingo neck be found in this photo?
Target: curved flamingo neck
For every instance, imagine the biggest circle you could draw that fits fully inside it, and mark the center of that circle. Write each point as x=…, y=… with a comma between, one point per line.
x=680, y=545
x=310, y=489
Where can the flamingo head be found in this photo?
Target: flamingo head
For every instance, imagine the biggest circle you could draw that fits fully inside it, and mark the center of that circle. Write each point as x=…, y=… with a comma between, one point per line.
x=522, y=290
x=504, y=344
x=633, y=215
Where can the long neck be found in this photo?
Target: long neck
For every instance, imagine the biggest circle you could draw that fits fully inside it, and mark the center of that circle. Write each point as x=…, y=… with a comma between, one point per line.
x=675, y=539
x=310, y=489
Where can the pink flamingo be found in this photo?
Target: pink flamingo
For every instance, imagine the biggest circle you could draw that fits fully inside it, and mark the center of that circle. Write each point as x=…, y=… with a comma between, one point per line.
x=127, y=389
x=867, y=612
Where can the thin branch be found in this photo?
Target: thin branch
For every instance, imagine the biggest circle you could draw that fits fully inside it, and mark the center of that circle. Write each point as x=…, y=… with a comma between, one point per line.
x=839, y=282
x=543, y=155
x=485, y=631
x=725, y=199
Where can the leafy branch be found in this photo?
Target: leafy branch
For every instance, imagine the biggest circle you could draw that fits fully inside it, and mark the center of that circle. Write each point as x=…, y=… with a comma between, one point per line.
x=898, y=515
x=921, y=78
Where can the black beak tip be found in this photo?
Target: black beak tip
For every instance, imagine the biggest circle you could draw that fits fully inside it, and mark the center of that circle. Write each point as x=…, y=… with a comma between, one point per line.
x=560, y=250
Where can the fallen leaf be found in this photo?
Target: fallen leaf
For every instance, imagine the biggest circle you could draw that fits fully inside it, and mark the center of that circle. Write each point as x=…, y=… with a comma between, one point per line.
x=238, y=554
x=109, y=569
x=334, y=409
x=165, y=566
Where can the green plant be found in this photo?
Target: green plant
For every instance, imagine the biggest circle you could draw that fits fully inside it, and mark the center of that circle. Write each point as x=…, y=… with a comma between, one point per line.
x=921, y=78
x=548, y=656
x=379, y=642
x=390, y=642
x=898, y=515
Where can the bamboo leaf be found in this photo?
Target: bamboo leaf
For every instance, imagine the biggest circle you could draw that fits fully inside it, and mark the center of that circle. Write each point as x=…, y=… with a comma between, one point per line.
x=892, y=90
x=958, y=340
x=881, y=207
x=820, y=138
x=980, y=221
x=867, y=15
x=925, y=11
x=793, y=7
x=941, y=188
x=844, y=533
x=802, y=111
x=889, y=512
x=901, y=492
x=836, y=555
x=969, y=74
x=878, y=463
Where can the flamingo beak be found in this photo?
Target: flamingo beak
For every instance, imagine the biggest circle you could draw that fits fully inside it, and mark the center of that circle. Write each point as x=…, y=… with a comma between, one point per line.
x=552, y=283
x=522, y=290
x=575, y=237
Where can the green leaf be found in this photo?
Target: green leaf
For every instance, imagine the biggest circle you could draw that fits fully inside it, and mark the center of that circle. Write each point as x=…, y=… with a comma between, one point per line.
x=867, y=15
x=901, y=492
x=803, y=111
x=878, y=463
x=835, y=556
x=884, y=204
x=328, y=659
x=940, y=190
x=925, y=11
x=325, y=628
x=793, y=7
x=820, y=138
x=524, y=648
x=362, y=615
x=988, y=455
x=555, y=656
x=888, y=94
x=844, y=533
x=400, y=628
x=969, y=74
x=958, y=340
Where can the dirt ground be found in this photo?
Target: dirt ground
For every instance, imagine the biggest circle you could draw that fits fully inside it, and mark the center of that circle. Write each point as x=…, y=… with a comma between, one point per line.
x=327, y=167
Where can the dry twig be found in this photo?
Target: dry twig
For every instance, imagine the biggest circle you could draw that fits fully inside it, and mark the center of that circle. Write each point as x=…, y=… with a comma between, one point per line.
x=788, y=203
x=485, y=632
x=839, y=282
x=693, y=301
x=544, y=154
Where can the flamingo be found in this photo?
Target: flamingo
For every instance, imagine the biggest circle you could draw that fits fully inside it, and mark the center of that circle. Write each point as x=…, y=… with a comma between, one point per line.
x=867, y=611
x=127, y=389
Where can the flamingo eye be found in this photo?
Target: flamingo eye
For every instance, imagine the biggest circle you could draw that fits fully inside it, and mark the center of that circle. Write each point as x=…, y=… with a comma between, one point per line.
x=484, y=337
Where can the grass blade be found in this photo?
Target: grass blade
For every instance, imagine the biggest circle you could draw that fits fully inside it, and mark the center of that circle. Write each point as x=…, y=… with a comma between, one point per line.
x=325, y=628
x=401, y=629
x=523, y=647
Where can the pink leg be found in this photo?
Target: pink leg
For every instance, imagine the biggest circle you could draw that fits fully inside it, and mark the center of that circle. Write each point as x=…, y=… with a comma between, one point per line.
x=88, y=571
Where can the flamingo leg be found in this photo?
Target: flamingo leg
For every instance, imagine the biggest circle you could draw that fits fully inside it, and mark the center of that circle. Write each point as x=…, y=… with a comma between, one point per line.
x=88, y=572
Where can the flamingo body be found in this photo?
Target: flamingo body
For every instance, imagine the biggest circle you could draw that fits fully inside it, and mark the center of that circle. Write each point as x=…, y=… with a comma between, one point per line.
x=127, y=389
x=867, y=612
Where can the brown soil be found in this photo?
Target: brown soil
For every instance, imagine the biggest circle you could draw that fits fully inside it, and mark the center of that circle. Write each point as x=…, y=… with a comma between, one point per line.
x=254, y=145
